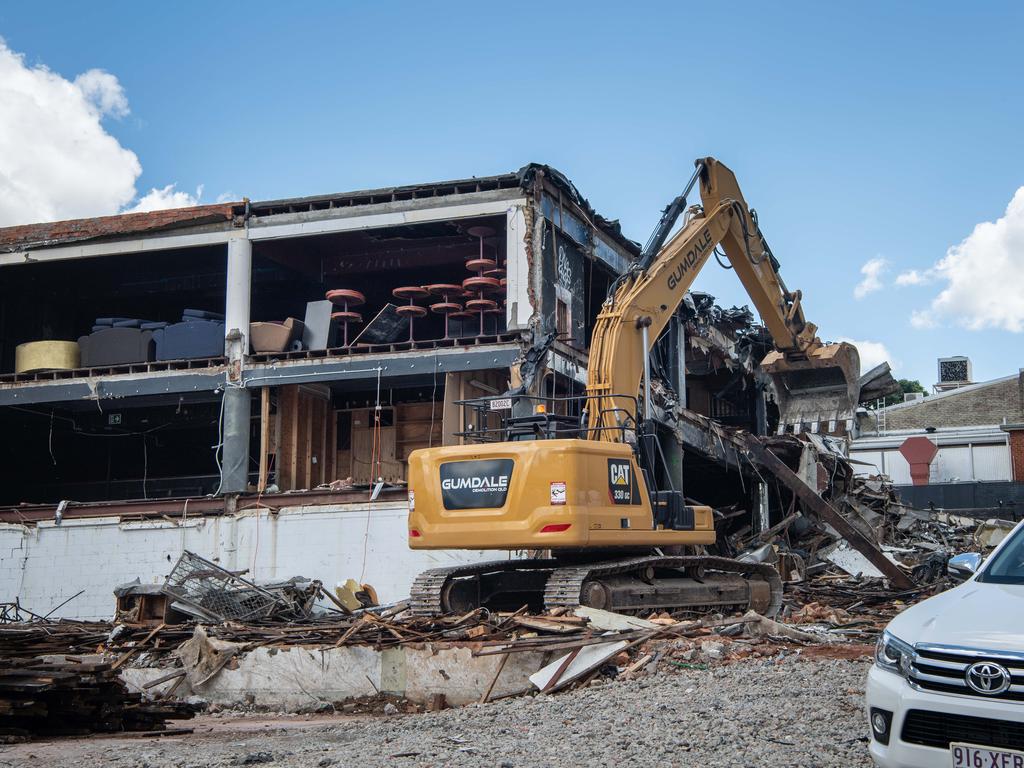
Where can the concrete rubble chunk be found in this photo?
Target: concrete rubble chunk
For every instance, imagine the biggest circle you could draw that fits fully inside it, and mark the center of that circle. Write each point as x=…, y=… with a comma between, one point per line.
x=990, y=533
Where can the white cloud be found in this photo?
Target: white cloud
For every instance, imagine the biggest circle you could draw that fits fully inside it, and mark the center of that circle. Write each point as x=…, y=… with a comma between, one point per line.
x=56, y=159
x=872, y=353
x=872, y=281
x=166, y=197
x=923, y=318
x=104, y=92
x=984, y=276
x=915, y=277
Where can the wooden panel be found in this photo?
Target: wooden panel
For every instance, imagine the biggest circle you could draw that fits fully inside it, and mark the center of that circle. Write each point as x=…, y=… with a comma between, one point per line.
x=361, y=441
x=302, y=444
x=330, y=447
x=451, y=414
x=317, y=428
x=261, y=484
x=302, y=431
x=417, y=428
x=288, y=419
x=343, y=465
x=391, y=469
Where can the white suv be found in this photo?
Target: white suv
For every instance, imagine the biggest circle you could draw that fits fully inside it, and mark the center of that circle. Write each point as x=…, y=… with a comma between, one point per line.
x=947, y=685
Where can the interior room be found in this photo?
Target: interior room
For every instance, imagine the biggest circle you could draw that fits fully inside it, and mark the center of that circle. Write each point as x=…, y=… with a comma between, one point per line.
x=424, y=282
x=119, y=310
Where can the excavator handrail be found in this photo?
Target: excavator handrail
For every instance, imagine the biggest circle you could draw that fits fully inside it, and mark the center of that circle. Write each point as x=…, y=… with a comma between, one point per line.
x=579, y=428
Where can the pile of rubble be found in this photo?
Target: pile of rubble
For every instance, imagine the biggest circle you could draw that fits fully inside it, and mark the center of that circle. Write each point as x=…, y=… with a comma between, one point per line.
x=845, y=539
x=582, y=644
x=837, y=531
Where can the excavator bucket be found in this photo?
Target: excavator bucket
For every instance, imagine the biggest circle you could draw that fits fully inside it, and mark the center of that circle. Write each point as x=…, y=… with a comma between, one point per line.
x=818, y=392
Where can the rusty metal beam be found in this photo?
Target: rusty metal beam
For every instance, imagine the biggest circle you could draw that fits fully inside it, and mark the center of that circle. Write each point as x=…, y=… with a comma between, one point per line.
x=157, y=509
x=817, y=506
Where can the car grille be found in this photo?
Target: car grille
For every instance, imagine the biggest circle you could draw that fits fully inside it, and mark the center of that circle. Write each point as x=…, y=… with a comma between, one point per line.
x=944, y=669
x=939, y=729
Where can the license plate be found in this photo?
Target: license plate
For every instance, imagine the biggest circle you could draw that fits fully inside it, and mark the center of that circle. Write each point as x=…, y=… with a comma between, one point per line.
x=970, y=756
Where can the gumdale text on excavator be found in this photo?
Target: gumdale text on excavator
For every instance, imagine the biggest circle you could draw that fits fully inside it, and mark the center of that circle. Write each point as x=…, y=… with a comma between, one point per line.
x=585, y=478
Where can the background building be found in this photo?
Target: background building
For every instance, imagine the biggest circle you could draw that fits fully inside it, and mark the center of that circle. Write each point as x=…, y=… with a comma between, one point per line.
x=977, y=428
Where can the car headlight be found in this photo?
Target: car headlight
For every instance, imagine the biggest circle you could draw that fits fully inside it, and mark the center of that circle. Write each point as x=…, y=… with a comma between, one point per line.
x=893, y=654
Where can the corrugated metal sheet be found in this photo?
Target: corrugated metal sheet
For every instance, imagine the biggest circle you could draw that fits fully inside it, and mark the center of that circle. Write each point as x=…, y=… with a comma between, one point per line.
x=953, y=463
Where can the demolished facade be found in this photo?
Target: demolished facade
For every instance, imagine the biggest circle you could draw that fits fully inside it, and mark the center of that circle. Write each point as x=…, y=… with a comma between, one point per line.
x=245, y=380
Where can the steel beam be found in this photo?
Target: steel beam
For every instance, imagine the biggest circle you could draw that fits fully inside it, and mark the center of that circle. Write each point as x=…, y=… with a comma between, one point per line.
x=814, y=505
x=389, y=365
x=348, y=368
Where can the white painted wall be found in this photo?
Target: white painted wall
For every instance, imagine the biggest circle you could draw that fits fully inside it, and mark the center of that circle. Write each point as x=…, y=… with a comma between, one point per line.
x=45, y=564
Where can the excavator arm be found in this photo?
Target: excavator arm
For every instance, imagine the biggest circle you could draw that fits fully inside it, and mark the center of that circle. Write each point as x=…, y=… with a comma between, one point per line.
x=813, y=382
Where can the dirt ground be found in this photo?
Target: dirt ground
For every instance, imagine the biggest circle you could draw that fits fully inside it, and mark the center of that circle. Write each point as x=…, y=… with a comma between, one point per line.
x=785, y=711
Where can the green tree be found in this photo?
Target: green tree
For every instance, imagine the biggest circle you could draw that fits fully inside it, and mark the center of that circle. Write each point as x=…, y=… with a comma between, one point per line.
x=906, y=387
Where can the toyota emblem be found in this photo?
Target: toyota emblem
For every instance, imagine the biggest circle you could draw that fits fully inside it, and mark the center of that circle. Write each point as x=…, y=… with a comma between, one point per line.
x=988, y=678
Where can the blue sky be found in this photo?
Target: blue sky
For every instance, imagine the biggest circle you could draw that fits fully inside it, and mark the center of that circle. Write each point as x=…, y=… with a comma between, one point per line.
x=859, y=131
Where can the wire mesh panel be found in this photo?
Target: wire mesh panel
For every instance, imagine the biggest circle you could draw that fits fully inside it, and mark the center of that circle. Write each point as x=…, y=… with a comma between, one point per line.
x=196, y=582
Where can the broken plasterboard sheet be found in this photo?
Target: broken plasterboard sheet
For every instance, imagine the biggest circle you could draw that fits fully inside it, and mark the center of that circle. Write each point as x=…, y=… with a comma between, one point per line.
x=609, y=621
x=588, y=658
x=845, y=557
x=991, y=532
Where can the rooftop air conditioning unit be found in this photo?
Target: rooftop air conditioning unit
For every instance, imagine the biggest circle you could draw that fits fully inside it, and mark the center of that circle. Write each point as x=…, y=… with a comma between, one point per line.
x=954, y=371
x=910, y=397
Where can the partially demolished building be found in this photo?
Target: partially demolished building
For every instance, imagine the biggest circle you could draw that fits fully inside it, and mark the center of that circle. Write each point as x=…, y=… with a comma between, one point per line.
x=246, y=379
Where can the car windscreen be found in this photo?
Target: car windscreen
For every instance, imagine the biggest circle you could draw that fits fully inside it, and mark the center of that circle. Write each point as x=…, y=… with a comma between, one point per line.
x=1007, y=566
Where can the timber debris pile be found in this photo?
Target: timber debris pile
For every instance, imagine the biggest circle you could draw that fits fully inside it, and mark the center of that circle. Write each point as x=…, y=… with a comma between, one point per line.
x=39, y=698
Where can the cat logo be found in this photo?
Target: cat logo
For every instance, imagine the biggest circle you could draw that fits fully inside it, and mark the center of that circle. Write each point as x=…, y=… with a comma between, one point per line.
x=619, y=473
x=621, y=483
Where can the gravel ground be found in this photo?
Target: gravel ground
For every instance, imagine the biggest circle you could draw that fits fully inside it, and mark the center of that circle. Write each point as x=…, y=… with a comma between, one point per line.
x=753, y=713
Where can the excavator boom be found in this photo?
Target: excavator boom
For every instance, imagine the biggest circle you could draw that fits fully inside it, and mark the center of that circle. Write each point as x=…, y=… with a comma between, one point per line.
x=814, y=383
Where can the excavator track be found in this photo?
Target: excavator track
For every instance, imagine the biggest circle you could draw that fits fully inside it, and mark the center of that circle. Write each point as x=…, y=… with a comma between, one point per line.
x=427, y=596
x=564, y=585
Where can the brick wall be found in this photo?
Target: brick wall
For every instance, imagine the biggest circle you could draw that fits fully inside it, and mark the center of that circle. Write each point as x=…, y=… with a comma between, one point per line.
x=1017, y=454
x=992, y=404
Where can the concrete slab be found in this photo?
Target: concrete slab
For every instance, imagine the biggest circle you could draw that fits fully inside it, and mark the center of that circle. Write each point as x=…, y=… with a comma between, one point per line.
x=300, y=678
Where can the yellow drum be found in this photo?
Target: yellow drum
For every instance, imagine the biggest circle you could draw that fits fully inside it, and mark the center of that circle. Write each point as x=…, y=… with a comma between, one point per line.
x=36, y=356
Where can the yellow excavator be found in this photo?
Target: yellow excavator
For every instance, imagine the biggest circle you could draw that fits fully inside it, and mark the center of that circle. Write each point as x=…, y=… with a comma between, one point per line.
x=590, y=488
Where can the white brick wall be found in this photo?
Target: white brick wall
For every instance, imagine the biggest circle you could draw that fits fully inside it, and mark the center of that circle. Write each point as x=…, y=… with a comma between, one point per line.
x=46, y=564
